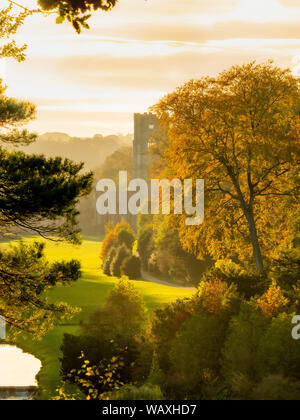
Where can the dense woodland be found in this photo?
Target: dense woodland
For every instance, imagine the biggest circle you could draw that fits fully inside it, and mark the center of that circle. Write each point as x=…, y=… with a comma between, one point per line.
x=232, y=339
x=92, y=151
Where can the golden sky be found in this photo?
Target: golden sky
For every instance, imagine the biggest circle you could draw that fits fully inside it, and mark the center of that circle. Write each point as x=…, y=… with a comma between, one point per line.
x=93, y=82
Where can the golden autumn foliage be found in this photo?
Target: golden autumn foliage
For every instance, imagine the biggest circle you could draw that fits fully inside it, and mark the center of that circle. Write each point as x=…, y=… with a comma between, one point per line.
x=214, y=296
x=112, y=237
x=273, y=302
x=240, y=133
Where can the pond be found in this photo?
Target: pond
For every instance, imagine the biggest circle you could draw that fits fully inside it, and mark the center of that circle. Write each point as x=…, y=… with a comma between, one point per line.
x=18, y=371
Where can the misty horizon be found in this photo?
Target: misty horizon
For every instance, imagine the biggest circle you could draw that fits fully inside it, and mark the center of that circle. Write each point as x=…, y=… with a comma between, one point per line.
x=135, y=54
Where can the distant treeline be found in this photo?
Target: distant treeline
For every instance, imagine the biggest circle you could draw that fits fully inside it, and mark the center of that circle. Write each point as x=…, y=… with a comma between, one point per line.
x=90, y=221
x=91, y=150
x=104, y=155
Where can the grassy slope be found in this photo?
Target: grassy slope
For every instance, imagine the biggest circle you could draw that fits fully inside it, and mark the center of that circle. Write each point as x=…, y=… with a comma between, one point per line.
x=88, y=293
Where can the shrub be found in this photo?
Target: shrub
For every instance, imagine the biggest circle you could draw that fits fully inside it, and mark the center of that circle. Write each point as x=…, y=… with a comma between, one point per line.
x=124, y=310
x=96, y=381
x=110, y=241
x=126, y=238
x=131, y=267
x=145, y=246
x=273, y=302
x=166, y=322
x=108, y=260
x=276, y=388
x=196, y=353
x=109, y=227
x=136, y=358
x=249, y=283
x=121, y=234
x=287, y=268
x=118, y=325
x=72, y=347
x=171, y=260
x=294, y=298
x=115, y=266
x=280, y=353
x=153, y=263
x=123, y=226
x=143, y=393
x=215, y=297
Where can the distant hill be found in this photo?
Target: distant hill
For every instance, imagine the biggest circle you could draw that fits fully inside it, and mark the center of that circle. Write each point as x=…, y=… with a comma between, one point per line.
x=93, y=151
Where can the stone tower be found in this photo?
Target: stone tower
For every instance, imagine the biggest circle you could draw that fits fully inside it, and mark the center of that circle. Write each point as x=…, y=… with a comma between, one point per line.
x=144, y=127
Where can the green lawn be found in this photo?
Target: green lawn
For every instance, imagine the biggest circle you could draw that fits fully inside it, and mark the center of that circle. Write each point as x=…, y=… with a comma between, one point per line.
x=88, y=293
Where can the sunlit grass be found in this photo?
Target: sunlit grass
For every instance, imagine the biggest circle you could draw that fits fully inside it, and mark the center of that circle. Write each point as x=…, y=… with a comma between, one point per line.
x=89, y=293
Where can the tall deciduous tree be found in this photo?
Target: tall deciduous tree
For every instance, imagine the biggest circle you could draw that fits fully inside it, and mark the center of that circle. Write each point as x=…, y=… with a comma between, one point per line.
x=239, y=131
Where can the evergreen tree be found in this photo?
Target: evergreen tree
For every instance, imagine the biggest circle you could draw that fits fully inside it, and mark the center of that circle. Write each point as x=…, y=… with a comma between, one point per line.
x=37, y=195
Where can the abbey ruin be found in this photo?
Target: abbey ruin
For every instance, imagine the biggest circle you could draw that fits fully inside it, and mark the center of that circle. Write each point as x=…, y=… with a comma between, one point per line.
x=144, y=127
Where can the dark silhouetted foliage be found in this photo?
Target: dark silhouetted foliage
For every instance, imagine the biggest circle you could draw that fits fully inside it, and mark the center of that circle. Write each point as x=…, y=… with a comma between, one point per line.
x=121, y=254
x=131, y=267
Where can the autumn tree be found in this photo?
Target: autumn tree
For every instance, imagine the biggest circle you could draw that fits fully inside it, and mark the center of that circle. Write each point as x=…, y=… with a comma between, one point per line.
x=240, y=132
x=12, y=17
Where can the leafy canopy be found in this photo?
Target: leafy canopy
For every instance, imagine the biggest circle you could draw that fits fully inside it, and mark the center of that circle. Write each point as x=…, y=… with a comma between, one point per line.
x=240, y=132
x=25, y=277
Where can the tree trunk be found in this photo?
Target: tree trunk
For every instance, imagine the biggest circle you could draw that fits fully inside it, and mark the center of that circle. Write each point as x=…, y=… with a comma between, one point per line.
x=254, y=240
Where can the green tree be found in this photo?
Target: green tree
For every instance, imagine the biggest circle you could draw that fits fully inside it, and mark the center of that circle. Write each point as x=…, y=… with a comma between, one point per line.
x=98, y=381
x=196, y=353
x=121, y=254
x=165, y=324
x=118, y=325
x=76, y=12
x=279, y=352
x=37, y=195
x=126, y=238
x=131, y=267
x=108, y=260
x=241, y=353
x=125, y=309
x=145, y=246
x=276, y=388
x=25, y=277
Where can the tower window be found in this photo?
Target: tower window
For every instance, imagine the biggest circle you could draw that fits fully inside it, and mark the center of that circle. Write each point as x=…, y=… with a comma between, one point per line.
x=151, y=127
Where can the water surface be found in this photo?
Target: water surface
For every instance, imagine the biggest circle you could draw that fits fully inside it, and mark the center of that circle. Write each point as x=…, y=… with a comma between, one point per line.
x=18, y=372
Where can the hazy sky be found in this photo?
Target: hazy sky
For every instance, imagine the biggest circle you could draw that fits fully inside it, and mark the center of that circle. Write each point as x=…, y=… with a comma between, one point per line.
x=93, y=82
